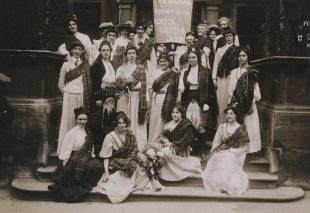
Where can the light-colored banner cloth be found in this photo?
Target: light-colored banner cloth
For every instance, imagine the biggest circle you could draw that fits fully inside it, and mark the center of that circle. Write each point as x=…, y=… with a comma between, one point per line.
x=172, y=19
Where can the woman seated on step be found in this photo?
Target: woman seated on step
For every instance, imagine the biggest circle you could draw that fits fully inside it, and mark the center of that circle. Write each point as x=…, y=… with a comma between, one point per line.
x=78, y=172
x=224, y=172
x=177, y=137
x=122, y=173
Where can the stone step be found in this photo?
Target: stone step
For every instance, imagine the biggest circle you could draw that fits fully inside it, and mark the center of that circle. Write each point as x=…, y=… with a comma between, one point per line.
x=32, y=189
x=257, y=180
x=256, y=164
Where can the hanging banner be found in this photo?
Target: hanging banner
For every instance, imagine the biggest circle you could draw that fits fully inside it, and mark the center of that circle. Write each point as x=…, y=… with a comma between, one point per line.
x=172, y=19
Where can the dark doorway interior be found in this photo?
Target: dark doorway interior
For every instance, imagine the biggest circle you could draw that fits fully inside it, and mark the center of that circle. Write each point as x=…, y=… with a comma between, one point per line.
x=249, y=22
x=89, y=18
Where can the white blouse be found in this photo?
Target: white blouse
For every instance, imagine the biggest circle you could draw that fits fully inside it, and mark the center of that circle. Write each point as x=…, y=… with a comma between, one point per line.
x=75, y=86
x=73, y=141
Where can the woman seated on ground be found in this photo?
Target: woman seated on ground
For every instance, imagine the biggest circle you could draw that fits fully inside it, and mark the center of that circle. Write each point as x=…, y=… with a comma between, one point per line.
x=224, y=171
x=78, y=172
x=178, y=135
x=122, y=174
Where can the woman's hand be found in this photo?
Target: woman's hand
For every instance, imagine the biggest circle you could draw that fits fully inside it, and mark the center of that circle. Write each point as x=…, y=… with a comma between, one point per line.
x=99, y=103
x=105, y=177
x=215, y=82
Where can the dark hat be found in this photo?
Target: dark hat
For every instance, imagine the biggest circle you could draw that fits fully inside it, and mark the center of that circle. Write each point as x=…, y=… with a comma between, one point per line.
x=215, y=28
x=79, y=111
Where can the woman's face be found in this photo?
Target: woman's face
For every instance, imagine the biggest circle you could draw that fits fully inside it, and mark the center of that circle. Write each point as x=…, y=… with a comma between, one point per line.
x=189, y=41
x=176, y=115
x=72, y=27
x=121, y=125
x=140, y=31
x=201, y=30
x=105, y=52
x=81, y=120
x=243, y=58
x=149, y=29
x=77, y=51
x=131, y=55
x=230, y=116
x=223, y=24
x=124, y=33
x=111, y=36
x=192, y=59
x=212, y=35
x=163, y=64
x=229, y=38
x=131, y=36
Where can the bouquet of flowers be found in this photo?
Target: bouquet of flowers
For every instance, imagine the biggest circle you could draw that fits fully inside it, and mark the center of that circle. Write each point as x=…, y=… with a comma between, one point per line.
x=113, y=89
x=151, y=158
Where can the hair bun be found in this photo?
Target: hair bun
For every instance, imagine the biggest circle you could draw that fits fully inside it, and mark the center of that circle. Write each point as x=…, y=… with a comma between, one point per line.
x=79, y=111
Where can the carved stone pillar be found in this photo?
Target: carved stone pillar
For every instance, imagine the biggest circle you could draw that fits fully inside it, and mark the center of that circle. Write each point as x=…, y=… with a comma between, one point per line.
x=211, y=9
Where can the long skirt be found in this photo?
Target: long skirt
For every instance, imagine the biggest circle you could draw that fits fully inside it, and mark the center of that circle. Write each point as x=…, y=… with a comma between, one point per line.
x=252, y=126
x=156, y=122
x=70, y=102
x=140, y=131
x=224, y=172
x=68, y=188
x=119, y=187
x=178, y=168
x=122, y=103
x=222, y=97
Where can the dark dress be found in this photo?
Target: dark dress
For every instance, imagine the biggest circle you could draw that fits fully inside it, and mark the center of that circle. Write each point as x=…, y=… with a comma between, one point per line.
x=79, y=174
x=101, y=122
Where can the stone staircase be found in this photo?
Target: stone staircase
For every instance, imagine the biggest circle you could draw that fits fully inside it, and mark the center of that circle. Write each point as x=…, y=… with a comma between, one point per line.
x=263, y=187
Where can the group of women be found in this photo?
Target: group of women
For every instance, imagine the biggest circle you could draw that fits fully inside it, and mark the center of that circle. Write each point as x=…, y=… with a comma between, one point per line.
x=168, y=101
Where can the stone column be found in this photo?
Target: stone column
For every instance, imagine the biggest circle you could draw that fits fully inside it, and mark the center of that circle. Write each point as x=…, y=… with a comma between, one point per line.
x=211, y=9
x=125, y=9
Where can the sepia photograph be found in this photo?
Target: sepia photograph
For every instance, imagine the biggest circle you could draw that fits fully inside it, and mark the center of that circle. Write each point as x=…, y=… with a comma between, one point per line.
x=135, y=106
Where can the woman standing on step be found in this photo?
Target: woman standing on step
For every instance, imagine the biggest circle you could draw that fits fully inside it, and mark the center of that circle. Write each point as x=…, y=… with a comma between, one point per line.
x=103, y=105
x=244, y=90
x=136, y=102
x=177, y=137
x=224, y=172
x=122, y=174
x=75, y=85
x=164, y=96
x=78, y=172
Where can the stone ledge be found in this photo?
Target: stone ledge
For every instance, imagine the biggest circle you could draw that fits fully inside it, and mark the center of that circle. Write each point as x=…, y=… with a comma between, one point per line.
x=281, y=194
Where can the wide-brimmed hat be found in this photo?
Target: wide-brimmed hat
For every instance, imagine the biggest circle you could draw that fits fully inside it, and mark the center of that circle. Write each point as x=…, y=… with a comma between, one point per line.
x=104, y=25
x=123, y=26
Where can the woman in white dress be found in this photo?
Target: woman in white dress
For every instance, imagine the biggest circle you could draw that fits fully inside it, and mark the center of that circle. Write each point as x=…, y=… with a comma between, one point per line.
x=166, y=93
x=72, y=24
x=75, y=85
x=178, y=135
x=226, y=59
x=135, y=103
x=244, y=89
x=224, y=171
x=122, y=173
